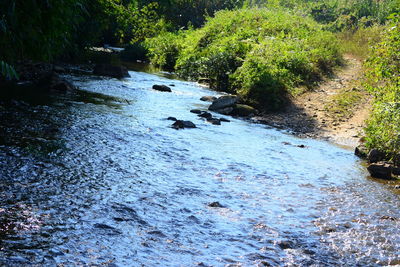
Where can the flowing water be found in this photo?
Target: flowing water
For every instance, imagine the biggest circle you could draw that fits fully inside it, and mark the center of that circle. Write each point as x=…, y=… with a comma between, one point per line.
x=99, y=178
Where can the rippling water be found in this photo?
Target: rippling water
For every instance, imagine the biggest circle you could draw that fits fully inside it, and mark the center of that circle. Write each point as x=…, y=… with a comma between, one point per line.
x=98, y=178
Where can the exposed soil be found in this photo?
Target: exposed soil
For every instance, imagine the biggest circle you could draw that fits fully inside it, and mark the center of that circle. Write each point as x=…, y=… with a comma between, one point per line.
x=307, y=115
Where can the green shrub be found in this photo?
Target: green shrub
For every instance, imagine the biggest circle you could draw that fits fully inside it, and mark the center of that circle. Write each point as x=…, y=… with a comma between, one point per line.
x=163, y=49
x=383, y=129
x=260, y=54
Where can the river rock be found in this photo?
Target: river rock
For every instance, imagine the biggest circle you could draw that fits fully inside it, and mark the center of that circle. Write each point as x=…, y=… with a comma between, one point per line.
x=223, y=102
x=214, y=121
x=215, y=204
x=361, y=151
x=375, y=155
x=179, y=124
x=381, y=170
x=225, y=111
x=162, y=88
x=206, y=115
x=196, y=111
x=111, y=71
x=243, y=110
x=224, y=120
x=171, y=119
x=208, y=98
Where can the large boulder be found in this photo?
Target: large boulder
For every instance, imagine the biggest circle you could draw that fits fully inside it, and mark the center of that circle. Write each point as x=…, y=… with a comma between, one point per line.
x=223, y=102
x=381, y=170
x=111, y=71
x=162, y=88
x=243, y=110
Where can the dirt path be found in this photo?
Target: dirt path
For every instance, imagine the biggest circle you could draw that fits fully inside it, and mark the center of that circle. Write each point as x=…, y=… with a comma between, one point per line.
x=322, y=114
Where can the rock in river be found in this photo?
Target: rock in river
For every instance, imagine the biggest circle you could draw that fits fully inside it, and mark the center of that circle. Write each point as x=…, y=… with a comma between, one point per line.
x=111, y=71
x=162, y=88
x=375, y=155
x=380, y=170
x=223, y=102
x=179, y=124
x=196, y=111
x=214, y=121
x=208, y=98
x=206, y=115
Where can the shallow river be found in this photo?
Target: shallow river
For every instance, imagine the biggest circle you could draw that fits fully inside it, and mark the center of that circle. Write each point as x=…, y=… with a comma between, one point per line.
x=99, y=178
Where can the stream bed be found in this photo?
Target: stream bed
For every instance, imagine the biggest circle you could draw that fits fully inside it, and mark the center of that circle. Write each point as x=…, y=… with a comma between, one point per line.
x=99, y=178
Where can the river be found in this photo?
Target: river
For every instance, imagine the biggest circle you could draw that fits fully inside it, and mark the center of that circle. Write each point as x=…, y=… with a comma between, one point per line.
x=99, y=178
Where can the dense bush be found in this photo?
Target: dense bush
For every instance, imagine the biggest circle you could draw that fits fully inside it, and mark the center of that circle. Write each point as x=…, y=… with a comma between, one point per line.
x=260, y=54
x=383, y=130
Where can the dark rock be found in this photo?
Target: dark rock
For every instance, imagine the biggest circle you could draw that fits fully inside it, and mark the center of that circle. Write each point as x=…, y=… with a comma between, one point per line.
x=397, y=187
x=208, y=98
x=301, y=146
x=196, y=111
x=171, y=119
x=206, y=115
x=361, y=151
x=111, y=71
x=162, y=88
x=214, y=121
x=179, y=124
x=225, y=111
x=224, y=120
x=243, y=110
x=381, y=170
x=396, y=170
x=215, y=204
x=375, y=155
x=172, y=85
x=223, y=102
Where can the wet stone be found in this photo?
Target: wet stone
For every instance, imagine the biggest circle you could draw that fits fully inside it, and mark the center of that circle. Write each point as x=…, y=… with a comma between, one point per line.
x=179, y=124
x=171, y=119
x=206, y=115
x=215, y=204
x=214, y=121
x=196, y=111
x=161, y=88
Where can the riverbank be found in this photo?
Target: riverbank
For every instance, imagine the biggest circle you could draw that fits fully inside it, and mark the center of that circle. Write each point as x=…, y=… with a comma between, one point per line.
x=320, y=113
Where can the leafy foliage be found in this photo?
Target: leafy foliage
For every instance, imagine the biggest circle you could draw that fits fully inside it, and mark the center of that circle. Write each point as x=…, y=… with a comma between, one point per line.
x=383, y=130
x=260, y=54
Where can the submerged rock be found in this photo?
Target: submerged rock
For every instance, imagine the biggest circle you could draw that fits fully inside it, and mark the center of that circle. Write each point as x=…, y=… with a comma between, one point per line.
x=208, y=98
x=206, y=115
x=161, y=88
x=111, y=71
x=179, y=124
x=171, y=119
x=224, y=120
x=223, y=102
x=214, y=121
x=215, y=204
x=196, y=111
x=381, y=170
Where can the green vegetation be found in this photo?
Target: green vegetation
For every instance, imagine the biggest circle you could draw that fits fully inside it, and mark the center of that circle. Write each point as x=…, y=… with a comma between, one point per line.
x=260, y=54
x=383, y=130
